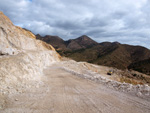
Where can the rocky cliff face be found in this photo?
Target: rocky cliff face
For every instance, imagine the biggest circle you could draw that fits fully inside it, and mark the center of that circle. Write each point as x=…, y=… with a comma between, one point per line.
x=14, y=39
x=22, y=57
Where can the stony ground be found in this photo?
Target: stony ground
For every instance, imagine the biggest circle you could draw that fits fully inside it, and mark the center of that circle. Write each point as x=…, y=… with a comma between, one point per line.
x=64, y=92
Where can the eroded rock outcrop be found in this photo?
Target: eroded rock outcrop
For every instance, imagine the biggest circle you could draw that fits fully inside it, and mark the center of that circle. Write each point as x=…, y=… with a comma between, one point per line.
x=14, y=38
x=22, y=57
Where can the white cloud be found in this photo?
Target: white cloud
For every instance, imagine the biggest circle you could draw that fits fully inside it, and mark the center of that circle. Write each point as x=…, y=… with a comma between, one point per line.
x=126, y=21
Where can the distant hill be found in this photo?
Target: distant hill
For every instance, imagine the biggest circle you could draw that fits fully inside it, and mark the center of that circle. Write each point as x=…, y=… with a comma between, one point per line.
x=72, y=44
x=80, y=43
x=141, y=66
x=55, y=41
x=114, y=54
x=110, y=54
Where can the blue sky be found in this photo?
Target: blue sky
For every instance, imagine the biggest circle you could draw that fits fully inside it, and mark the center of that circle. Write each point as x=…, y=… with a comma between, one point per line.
x=125, y=21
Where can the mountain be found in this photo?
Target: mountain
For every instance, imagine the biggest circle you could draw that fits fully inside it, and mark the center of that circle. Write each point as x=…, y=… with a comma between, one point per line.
x=72, y=44
x=80, y=43
x=55, y=41
x=141, y=66
x=110, y=54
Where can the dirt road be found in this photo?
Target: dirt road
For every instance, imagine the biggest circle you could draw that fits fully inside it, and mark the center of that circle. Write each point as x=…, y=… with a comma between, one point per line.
x=67, y=93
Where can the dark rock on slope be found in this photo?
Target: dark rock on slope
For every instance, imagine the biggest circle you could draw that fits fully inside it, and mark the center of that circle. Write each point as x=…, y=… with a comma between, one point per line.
x=141, y=66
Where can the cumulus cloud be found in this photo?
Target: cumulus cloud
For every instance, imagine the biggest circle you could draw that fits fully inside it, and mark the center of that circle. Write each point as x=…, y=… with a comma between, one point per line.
x=125, y=21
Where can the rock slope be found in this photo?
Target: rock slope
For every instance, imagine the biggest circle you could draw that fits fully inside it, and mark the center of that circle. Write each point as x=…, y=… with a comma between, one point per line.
x=14, y=39
x=22, y=57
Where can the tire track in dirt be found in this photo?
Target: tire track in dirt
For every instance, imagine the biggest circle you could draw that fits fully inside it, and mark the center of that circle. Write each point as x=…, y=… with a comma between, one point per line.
x=66, y=93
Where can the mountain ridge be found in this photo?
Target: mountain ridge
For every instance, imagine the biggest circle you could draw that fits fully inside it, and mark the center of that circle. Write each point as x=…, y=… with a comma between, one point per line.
x=71, y=44
x=112, y=54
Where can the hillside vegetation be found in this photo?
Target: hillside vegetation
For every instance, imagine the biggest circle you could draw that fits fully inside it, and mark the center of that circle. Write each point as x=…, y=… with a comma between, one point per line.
x=121, y=56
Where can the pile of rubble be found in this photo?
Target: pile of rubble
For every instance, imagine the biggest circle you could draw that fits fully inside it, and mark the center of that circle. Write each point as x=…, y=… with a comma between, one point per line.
x=139, y=90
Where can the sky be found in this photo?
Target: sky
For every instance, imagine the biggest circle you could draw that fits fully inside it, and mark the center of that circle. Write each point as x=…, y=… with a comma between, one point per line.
x=125, y=21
